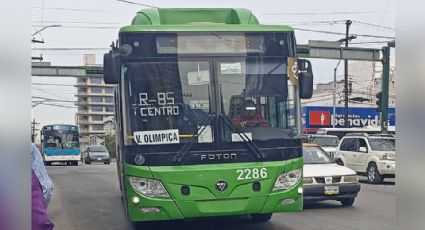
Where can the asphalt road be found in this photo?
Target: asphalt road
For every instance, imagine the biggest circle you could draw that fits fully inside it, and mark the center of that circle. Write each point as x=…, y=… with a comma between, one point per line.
x=88, y=197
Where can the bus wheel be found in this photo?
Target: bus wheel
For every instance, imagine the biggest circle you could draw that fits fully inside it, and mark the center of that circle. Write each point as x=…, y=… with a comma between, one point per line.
x=75, y=163
x=47, y=163
x=261, y=217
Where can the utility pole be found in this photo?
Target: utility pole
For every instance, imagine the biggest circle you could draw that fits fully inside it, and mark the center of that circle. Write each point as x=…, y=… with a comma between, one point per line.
x=347, y=28
x=33, y=130
x=334, y=95
x=385, y=86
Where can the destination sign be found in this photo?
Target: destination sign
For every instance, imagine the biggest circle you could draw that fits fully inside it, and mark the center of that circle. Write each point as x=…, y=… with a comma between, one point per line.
x=157, y=137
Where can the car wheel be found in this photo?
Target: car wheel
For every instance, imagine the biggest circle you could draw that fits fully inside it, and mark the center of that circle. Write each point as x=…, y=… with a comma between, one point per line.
x=373, y=175
x=347, y=201
x=261, y=217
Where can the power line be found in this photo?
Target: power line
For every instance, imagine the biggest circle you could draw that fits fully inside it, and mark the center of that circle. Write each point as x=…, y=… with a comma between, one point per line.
x=76, y=9
x=52, y=99
x=370, y=42
x=338, y=33
x=57, y=105
x=136, y=3
x=79, y=22
x=85, y=27
x=67, y=49
x=374, y=25
x=38, y=83
x=383, y=13
x=312, y=23
x=322, y=13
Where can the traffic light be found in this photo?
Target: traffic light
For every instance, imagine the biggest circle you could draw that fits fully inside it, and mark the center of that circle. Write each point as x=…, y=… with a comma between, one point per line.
x=379, y=101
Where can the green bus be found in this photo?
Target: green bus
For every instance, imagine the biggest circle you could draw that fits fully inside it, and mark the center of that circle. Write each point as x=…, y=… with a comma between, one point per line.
x=208, y=115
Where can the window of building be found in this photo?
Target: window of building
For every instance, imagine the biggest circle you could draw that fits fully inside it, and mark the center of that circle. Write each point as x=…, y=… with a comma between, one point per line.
x=109, y=109
x=109, y=90
x=96, y=99
x=96, y=80
x=97, y=118
x=109, y=99
x=97, y=127
x=96, y=108
x=96, y=90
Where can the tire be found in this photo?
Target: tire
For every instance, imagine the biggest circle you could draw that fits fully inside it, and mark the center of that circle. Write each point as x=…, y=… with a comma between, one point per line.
x=48, y=163
x=75, y=163
x=373, y=175
x=347, y=201
x=87, y=162
x=259, y=218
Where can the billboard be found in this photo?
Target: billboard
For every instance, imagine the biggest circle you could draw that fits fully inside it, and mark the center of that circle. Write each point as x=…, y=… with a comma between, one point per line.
x=322, y=117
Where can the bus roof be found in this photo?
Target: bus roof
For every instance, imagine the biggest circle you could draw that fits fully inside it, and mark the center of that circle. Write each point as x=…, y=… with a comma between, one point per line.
x=198, y=20
x=59, y=125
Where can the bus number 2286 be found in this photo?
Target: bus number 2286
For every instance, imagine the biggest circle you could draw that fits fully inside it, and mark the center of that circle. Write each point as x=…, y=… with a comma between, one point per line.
x=255, y=173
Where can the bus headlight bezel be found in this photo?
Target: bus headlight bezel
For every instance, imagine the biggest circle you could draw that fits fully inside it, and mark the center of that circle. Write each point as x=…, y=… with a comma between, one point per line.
x=287, y=180
x=149, y=187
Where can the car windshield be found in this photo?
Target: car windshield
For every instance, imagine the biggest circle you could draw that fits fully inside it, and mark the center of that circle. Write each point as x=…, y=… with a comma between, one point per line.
x=315, y=155
x=382, y=144
x=98, y=148
x=326, y=141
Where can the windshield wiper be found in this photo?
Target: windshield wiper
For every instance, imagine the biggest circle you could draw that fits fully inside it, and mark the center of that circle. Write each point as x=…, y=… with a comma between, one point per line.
x=246, y=140
x=185, y=149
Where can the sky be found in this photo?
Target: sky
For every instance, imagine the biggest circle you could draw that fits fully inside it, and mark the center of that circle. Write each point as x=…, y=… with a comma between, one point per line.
x=89, y=27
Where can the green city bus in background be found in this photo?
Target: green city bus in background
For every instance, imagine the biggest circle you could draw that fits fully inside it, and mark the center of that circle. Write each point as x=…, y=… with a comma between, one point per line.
x=185, y=81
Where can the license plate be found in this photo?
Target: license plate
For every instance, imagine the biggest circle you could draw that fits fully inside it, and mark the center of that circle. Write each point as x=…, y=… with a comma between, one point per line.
x=99, y=159
x=331, y=190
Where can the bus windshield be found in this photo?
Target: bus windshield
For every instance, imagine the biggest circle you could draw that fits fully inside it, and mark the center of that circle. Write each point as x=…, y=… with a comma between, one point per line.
x=207, y=99
x=61, y=137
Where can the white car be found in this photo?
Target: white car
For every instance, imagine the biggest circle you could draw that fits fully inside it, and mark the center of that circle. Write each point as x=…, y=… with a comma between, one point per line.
x=370, y=155
x=326, y=180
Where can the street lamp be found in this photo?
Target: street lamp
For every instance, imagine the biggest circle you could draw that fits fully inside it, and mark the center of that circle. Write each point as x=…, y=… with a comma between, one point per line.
x=38, y=31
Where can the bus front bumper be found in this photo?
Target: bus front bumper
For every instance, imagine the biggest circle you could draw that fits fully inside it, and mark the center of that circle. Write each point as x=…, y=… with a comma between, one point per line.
x=62, y=158
x=151, y=209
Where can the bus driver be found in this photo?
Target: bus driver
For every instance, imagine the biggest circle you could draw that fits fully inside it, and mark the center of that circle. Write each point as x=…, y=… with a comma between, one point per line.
x=249, y=117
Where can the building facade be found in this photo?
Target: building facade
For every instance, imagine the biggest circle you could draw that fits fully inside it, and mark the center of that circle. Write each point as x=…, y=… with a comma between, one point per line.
x=95, y=102
x=365, y=80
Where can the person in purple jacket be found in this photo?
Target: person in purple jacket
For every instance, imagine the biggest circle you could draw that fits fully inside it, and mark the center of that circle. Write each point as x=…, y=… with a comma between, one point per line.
x=39, y=218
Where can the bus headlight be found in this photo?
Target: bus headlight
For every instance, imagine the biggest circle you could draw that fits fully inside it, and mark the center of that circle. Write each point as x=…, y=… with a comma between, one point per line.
x=149, y=187
x=287, y=180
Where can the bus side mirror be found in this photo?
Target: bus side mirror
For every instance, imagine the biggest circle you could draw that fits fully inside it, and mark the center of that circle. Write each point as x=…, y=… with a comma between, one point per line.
x=112, y=67
x=305, y=78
